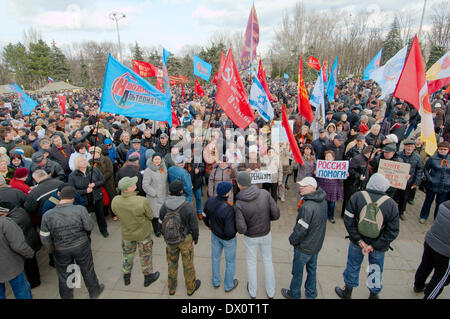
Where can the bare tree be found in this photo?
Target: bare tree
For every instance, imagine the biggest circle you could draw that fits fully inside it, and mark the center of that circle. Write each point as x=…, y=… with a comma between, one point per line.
x=440, y=32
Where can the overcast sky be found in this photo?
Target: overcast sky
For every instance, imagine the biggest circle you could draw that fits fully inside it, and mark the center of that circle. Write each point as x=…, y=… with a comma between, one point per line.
x=170, y=23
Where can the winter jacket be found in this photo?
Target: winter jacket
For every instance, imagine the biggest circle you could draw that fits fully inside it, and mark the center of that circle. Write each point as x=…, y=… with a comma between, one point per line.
x=155, y=185
x=74, y=155
x=219, y=175
x=161, y=149
x=437, y=172
x=65, y=226
x=220, y=217
x=319, y=147
x=142, y=159
x=13, y=249
x=20, y=185
x=438, y=237
x=81, y=181
x=307, y=169
x=54, y=199
x=61, y=158
x=51, y=167
x=416, y=170
x=105, y=167
x=122, y=151
x=309, y=230
x=11, y=197
x=255, y=208
x=28, y=165
x=356, y=169
x=353, y=151
x=372, y=139
x=338, y=151
x=181, y=174
x=169, y=160
x=389, y=229
x=135, y=216
x=131, y=171
x=38, y=196
x=187, y=214
x=84, y=137
x=197, y=179
x=21, y=218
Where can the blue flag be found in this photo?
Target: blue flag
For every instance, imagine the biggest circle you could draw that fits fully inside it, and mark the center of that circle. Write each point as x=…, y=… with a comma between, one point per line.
x=126, y=93
x=201, y=68
x=317, y=100
x=286, y=76
x=27, y=104
x=260, y=101
x=332, y=79
x=373, y=65
x=167, y=91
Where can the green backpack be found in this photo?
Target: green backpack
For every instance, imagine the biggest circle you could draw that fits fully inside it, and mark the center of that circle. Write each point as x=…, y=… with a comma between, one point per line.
x=371, y=217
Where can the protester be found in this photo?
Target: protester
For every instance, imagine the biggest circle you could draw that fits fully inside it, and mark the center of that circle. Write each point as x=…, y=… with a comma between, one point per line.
x=178, y=172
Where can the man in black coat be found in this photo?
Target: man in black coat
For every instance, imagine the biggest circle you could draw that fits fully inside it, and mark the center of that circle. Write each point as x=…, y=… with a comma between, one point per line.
x=163, y=146
x=319, y=144
x=11, y=197
x=361, y=245
x=131, y=170
x=337, y=146
x=60, y=153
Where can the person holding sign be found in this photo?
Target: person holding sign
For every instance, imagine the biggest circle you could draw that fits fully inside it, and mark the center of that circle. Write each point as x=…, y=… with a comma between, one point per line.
x=332, y=188
x=271, y=163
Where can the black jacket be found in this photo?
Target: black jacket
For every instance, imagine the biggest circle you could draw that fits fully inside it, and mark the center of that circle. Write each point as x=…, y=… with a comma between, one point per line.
x=220, y=217
x=57, y=156
x=372, y=139
x=51, y=167
x=21, y=218
x=357, y=168
x=81, y=181
x=309, y=230
x=161, y=149
x=338, y=151
x=11, y=197
x=197, y=179
x=131, y=171
x=352, y=152
x=319, y=147
x=390, y=227
x=416, y=170
x=122, y=151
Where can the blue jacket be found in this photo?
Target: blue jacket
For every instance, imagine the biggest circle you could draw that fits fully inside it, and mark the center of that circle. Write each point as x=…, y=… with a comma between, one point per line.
x=223, y=222
x=179, y=173
x=437, y=172
x=142, y=159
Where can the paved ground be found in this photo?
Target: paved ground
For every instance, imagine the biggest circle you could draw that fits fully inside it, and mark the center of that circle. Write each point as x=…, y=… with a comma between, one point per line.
x=398, y=275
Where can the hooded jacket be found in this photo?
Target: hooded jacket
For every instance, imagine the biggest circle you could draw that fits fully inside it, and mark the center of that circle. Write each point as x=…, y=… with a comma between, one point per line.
x=187, y=214
x=309, y=230
x=255, y=208
x=438, y=237
x=155, y=185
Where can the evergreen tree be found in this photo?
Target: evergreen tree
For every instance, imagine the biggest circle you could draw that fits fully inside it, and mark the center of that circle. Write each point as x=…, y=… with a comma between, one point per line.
x=38, y=62
x=84, y=72
x=138, y=54
x=393, y=43
x=436, y=53
x=60, y=70
x=155, y=58
x=15, y=59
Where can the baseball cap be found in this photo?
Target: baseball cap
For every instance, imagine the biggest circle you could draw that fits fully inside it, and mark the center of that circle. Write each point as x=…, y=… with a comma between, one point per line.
x=127, y=182
x=308, y=181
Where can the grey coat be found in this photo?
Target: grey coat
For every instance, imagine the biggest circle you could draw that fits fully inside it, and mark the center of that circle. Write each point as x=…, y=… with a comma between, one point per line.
x=155, y=186
x=438, y=237
x=13, y=249
x=255, y=208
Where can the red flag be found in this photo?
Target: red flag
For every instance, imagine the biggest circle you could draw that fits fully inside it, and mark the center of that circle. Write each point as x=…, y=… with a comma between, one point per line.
x=198, y=89
x=262, y=80
x=62, y=103
x=144, y=69
x=175, y=121
x=251, y=40
x=216, y=79
x=294, y=146
x=313, y=63
x=222, y=64
x=231, y=95
x=324, y=73
x=182, y=92
x=304, y=108
x=412, y=87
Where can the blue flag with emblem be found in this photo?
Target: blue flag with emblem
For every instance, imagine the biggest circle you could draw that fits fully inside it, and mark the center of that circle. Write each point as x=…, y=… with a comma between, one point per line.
x=202, y=68
x=126, y=93
x=27, y=104
x=286, y=76
x=260, y=101
x=372, y=66
x=332, y=79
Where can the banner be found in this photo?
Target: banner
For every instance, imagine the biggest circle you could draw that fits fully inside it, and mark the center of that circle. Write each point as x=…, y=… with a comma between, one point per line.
x=372, y=66
x=396, y=173
x=286, y=76
x=126, y=93
x=438, y=75
x=313, y=63
x=62, y=103
x=387, y=75
x=198, y=89
x=231, y=95
x=332, y=169
x=259, y=177
x=260, y=101
x=202, y=69
x=27, y=104
x=251, y=40
x=144, y=69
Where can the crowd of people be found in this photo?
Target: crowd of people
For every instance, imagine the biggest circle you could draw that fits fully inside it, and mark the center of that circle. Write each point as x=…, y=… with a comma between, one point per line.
x=56, y=169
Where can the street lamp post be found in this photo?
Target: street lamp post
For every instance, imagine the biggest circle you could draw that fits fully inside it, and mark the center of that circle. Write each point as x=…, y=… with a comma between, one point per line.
x=116, y=16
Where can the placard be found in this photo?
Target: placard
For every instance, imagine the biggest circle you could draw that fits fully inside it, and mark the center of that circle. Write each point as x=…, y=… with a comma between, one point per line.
x=397, y=173
x=258, y=177
x=332, y=169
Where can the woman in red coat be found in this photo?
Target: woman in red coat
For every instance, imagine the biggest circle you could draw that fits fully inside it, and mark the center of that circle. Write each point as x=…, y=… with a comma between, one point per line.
x=20, y=176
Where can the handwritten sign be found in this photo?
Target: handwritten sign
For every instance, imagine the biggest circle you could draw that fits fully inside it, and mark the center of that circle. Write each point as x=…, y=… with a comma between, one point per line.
x=397, y=173
x=258, y=177
x=332, y=169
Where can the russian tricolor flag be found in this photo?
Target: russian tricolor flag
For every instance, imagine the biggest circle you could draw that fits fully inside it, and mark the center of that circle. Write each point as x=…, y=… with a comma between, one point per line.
x=50, y=80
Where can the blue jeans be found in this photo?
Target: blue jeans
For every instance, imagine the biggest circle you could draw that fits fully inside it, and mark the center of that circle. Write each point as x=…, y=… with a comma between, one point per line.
x=264, y=243
x=229, y=247
x=330, y=210
x=429, y=199
x=198, y=200
x=300, y=261
x=20, y=287
x=354, y=260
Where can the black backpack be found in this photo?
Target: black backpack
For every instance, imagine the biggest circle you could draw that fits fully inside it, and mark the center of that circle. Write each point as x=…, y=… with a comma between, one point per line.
x=172, y=227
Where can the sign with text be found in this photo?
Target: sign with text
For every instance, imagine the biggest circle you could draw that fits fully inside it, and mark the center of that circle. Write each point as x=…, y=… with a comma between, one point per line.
x=259, y=177
x=332, y=169
x=397, y=173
